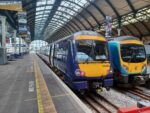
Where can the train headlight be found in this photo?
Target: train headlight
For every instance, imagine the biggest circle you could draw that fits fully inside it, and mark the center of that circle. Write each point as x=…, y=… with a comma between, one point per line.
x=125, y=68
x=110, y=71
x=79, y=72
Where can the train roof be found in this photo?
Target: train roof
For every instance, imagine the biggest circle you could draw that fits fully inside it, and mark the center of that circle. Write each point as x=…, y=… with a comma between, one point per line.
x=86, y=32
x=123, y=38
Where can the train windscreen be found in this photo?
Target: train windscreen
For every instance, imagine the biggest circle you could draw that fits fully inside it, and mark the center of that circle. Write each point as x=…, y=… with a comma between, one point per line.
x=133, y=53
x=91, y=50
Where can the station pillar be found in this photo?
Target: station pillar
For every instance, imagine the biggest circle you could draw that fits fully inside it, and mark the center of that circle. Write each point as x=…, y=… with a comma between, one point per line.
x=15, y=46
x=3, y=21
x=3, y=54
x=19, y=46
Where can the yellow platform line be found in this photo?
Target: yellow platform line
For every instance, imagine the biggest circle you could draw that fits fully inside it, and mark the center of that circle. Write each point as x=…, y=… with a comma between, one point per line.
x=39, y=99
x=44, y=100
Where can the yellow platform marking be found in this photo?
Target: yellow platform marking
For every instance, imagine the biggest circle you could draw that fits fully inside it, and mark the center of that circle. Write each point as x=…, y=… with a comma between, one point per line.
x=11, y=7
x=45, y=103
x=39, y=99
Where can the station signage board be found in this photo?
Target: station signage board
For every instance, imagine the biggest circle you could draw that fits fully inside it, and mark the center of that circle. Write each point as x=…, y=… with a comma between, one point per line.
x=22, y=23
x=108, y=26
x=22, y=17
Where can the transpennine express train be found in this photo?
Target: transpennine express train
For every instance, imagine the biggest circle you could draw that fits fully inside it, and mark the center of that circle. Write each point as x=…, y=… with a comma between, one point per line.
x=83, y=58
x=128, y=58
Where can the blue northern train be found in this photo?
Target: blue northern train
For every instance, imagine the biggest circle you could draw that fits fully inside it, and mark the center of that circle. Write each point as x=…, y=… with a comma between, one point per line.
x=83, y=58
x=129, y=62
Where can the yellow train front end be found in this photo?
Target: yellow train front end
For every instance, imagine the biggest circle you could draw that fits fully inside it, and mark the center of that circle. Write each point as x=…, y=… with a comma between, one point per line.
x=93, y=60
x=133, y=61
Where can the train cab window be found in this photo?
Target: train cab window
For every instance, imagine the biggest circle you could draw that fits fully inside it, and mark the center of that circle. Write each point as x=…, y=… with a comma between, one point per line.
x=91, y=50
x=133, y=53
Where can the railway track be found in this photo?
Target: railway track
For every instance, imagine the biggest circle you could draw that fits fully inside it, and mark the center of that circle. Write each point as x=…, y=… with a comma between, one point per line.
x=140, y=93
x=110, y=103
x=135, y=93
x=98, y=103
x=143, y=90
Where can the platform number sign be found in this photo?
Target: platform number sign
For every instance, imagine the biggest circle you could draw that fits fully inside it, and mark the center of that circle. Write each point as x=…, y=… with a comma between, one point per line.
x=108, y=26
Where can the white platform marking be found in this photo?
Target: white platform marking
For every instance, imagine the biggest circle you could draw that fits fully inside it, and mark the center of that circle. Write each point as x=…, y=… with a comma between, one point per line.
x=31, y=86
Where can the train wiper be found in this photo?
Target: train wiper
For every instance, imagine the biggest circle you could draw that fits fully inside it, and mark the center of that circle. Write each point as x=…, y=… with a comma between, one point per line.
x=103, y=60
x=132, y=56
x=87, y=60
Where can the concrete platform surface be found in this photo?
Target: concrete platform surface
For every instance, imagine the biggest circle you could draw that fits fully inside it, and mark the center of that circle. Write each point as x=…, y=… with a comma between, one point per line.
x=17, y=87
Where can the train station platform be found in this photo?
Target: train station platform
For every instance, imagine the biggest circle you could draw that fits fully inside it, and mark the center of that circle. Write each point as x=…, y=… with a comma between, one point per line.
x=17, y=87
x=29, y=86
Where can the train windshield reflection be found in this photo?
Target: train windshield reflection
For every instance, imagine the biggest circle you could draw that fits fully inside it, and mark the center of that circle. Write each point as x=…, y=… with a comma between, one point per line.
x=133, y=53
x=91, y=50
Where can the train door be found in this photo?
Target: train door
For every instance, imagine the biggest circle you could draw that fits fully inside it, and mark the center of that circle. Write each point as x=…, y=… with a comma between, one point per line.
x=50, y=47
x=52, y=55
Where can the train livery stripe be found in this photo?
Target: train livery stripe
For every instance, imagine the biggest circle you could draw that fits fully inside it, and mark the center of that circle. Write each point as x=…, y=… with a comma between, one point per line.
x=45, y=103
x=131, y=42
x=95, y=69
x=87, y=37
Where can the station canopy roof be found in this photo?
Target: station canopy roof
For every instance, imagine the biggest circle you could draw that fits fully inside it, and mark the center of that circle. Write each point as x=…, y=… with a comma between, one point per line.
x=53, y=19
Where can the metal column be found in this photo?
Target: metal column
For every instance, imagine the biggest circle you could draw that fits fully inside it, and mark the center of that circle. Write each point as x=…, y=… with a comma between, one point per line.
x=14, y=36
x=20, y=46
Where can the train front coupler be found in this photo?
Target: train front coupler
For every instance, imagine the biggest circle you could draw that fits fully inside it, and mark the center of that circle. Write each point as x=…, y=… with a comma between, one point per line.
x=140, y=79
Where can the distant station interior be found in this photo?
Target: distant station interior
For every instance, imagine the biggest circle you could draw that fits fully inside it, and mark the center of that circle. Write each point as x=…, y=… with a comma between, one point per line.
x=74, y=56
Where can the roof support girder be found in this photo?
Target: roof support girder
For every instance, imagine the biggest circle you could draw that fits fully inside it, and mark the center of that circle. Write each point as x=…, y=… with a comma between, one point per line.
x=69, y=24
x=113, y=8
x=71, y=10
x=72, y=20
x=84, y=9
x=68, y=20
x=54, y=8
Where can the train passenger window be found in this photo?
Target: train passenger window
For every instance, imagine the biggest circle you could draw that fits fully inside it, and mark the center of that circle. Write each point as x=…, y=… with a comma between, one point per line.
x=91, y=50
x=61, y=51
